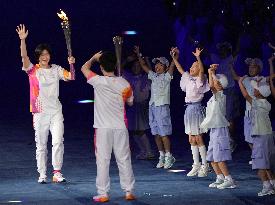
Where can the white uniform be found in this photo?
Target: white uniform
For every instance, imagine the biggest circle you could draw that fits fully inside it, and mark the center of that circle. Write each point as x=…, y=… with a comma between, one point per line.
x=247, y=84
x=259, y=80
x=111, y=132
x=215, y=112
x=47, y=113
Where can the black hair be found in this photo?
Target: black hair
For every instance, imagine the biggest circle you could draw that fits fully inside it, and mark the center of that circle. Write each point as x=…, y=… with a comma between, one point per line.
x=108, y=61
x=158, y=61
x=40, y=48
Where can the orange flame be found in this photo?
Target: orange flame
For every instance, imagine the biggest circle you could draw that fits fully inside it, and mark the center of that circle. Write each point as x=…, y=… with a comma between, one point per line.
x=62, y=15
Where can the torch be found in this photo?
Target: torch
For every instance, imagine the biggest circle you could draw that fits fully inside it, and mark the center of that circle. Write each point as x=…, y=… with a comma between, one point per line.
x=118, y=47
x=65, y=24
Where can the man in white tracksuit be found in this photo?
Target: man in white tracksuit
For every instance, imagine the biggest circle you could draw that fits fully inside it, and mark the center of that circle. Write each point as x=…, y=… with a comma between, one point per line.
x=45, y=105
x=111, y=93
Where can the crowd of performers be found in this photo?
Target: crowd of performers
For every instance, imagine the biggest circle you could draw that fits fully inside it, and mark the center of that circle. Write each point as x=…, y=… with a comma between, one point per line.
x=134, y=88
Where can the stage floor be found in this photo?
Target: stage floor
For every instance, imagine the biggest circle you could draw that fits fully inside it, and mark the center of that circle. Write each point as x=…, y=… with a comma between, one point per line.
x=18, y=176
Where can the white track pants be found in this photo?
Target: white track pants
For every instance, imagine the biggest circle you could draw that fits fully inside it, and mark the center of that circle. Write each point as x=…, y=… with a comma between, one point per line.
x=107, y=140
x=43, y=123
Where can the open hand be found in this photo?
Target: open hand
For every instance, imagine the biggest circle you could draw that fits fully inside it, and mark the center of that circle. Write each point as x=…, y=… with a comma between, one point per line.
x=174, y=52
x=198, y=51
x=22, y=33
x=97, y=56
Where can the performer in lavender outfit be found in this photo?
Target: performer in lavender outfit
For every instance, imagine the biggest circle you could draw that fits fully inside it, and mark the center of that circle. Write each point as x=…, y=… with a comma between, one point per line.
x=137, y=115
x=263, y=152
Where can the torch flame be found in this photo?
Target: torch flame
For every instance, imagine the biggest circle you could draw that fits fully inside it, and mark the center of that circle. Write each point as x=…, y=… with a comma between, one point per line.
x=62, y=15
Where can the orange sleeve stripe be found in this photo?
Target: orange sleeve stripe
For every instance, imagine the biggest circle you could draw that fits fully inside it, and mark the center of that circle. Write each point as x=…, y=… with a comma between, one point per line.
x=92, y=74
x=66, y=74
x=126, y=93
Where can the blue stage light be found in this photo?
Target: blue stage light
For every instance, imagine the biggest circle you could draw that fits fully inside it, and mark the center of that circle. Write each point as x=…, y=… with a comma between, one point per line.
x=85, y=101
x=130, y=32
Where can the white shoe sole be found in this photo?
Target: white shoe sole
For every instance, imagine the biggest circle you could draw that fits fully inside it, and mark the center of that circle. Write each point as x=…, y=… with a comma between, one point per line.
x=229, y=187
x=267, y=194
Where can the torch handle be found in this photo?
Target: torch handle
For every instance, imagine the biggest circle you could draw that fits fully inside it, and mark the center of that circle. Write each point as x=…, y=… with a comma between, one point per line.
x=72, y=71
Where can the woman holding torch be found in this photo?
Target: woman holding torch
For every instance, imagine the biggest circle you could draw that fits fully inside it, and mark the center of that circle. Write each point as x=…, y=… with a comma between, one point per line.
x=45, y=105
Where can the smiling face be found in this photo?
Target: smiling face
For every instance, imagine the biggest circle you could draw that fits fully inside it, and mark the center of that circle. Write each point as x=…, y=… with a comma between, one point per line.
x=254, y=69
x=195, y=70
x=43, y=55
x=160, y=68
x=44, y=58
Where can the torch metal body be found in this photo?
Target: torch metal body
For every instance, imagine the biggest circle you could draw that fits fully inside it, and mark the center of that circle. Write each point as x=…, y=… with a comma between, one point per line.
x=65, y=24
x=118, y=49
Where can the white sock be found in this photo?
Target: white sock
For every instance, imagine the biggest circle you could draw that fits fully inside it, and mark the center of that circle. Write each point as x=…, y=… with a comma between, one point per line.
x=196, y=155
x=168, y=154
x=220, y=176
x=202, y=150
x=229, y=178
x=272, y=181
x=161, y=153
x=267, y=184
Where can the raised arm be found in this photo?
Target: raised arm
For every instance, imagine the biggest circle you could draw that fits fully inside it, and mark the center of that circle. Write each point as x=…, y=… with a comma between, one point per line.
x=175, y=56
x=244, y=91
x=272, y=75
x=271, y=46
x=271, y=67
x=211, y=72
x=174, y=52
x=66, y=75
x=197, y=54
x=272, y=87
x=23, y=33
x=86, y=68
x=141, y=60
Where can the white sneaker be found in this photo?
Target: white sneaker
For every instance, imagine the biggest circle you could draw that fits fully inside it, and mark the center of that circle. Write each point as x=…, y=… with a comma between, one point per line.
x=42, y=180
x=216, y=183
x=58, y=178
x=266, y=192
x=169, y=161
x=203, y=171
x=194, y=171
x=101, y=198
x=227, y=184
x=161, y=162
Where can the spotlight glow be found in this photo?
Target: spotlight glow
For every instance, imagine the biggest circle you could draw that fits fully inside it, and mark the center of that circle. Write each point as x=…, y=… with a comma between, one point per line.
x=167, y=195
x=85, y=101
x=176, y=170
x=129, y=32
x=14, y=201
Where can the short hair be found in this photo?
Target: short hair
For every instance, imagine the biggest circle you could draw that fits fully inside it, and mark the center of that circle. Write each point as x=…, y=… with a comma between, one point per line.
x=40, y=48
x=108, y=61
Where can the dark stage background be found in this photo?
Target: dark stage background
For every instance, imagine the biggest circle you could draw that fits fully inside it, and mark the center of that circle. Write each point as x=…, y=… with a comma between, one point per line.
x=248, y=25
